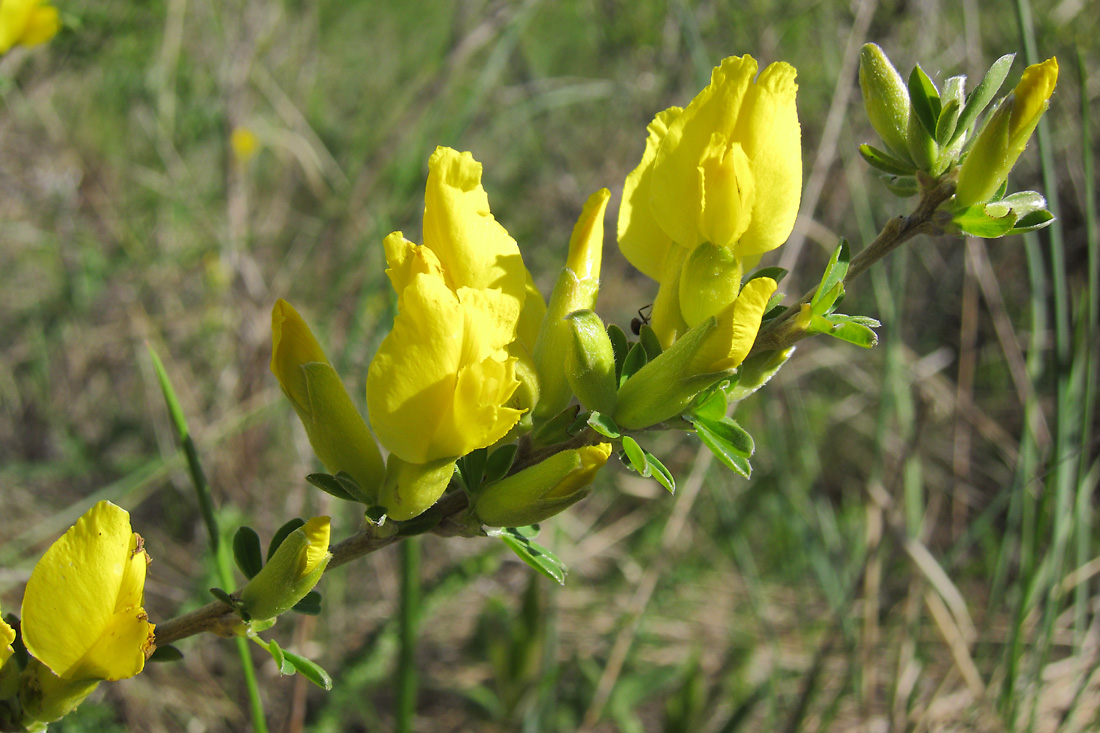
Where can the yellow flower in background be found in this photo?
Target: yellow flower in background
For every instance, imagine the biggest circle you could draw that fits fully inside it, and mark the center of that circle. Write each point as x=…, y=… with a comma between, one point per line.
x=337, y=432
x=7, y=636
x=244, y=144
x=727, y=172
x=1003, y=138
x=26, y=23
x=440, y=383
x=291, y=573
x=82, y=615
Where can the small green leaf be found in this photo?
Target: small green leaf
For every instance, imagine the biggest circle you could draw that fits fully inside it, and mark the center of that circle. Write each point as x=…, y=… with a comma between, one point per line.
x=556, y=429
x=328, y=484
x=775, y=273
x=499, y=462
x=832, y=281
x=723, y=450
x=853, y=330
x=281, y=534
x=755, y=372
x=712, y=406
x=309, y=669
x=636, y=456
x=1031, y=222
x=535, y=555
x=945, y=125
x=471, y=468
x=976, y=222
x=224, y=597
x=276, y=652
x=924, y=99
x=579, y=424
x=902, y=186
x=350, y=486
x=647, y=337
x=980, y=98
x=603, y=424
x=310, y=605
x=620, y=346
x=730, y=433
x=661, y=474
x=247, y=552
x=166, y=653
x=885, y=162
x=635, y=360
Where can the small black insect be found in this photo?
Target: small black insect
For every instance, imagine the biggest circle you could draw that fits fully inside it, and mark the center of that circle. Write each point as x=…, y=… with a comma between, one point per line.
x=642, y=319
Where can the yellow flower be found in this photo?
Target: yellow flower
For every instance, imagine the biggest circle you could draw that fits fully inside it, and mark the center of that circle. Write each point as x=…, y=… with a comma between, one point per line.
x=439, y=385
x=7, y=636
x=706, y=354
x=82, y=614
x=726, y=171
x=291, y=572
x=26, y=23
x=336, y=430
x=1004, y=137
x=244, y=144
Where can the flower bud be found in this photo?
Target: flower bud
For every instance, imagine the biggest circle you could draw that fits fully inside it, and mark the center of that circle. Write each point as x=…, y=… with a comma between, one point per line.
x=709, y=352
x=337, y=432
x=709, y=281
x=886, y=98
x=590, y=362
x=411, y=488
x=543, y=490
x=291, y=572
x=1005, y=135
x=576, y=289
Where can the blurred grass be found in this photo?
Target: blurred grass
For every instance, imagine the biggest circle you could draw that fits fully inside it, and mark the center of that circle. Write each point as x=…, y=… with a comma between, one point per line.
x=805, y=599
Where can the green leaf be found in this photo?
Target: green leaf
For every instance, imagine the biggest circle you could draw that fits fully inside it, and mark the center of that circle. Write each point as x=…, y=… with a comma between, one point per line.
x=499, y=462
x=310, y=605
x=647, y=337
x=471, y=468
x=712, y=406
x=224, y=597
x=535, y=555
x=854, y=329
x=579, y=424
x=977, y=223
x=635, y=360
x=832, y=281
x=636, y=456
x=1031, y=222
x=556, y=429
x=755, y=372
x=350, y=486
x=736, y=439
x=661, y=474
x=166, y=653
x=723, y=451
x=945, y=125
x=924, y=99
x=328, y=484
x=310, y=670
x=277, y=653
x=902, y=186
x=281, y=534
x=885, y=162
x=620, y=346
x=775, y=273
x=982, y=95
x=603, y=424
x=247, y=552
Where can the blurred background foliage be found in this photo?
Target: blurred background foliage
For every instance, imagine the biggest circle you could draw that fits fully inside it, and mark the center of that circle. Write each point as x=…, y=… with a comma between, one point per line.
x=915, y=550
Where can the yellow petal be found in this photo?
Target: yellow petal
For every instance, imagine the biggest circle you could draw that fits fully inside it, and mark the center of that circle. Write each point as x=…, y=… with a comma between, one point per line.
x=15, y=15
x=7, y=636
x=293, y=345
x=666, y=318
x=676, y=190
x=768, y=130
x=318, y=531
x=82, y=614
x=1032, y=95
x=641, y=239
x=729, y=190
x=728, y=345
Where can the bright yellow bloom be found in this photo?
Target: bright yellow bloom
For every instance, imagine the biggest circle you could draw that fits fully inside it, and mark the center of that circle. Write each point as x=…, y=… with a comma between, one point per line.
x=727, y=171
x=82, y=614
x=7, y=636
x=440, y=384
x=291, y=572
x=26, y=23
x=1005, y=135
x=336, y=430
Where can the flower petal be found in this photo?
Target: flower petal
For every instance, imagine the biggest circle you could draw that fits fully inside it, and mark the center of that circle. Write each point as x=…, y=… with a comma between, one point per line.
x=641, y=239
